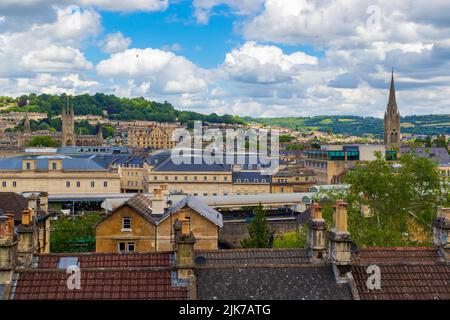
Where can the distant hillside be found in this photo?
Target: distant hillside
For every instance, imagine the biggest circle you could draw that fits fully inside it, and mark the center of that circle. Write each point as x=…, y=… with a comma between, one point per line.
x=360, y=126
x=116, y=108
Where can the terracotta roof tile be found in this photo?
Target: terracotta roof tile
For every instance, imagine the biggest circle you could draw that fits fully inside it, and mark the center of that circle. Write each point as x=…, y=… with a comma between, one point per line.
x=395, y=255
x=406, y=282
x=108, y=260
x=98, y=285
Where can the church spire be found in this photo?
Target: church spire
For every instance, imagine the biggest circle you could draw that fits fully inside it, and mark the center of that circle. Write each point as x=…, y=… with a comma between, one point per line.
x=392, y=103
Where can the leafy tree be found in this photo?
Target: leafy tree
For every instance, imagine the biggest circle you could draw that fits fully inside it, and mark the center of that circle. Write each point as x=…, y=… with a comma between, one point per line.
x=393, y=192
x=43, y=141
x=68, y=231
x=291, y=239
x=285, y=138
x=258, y=230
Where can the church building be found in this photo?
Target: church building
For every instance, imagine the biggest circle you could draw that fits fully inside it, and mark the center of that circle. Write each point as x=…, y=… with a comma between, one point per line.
x=392, y=121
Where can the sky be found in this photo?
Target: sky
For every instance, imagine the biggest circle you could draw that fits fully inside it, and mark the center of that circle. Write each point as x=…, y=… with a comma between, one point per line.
x=259, y=58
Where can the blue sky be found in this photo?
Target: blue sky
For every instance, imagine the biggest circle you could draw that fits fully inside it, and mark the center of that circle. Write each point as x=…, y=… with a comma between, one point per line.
x=246, y=57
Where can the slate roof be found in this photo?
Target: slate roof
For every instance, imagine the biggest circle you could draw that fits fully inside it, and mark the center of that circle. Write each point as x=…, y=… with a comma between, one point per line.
x=14, y=203
x=437, y=154
x=251, y=176
x=79, y=162
x=272, y=274
x=294, y=283
x=189, y=164
x=253, y=257
x=143, y=204
x=410, y=273
x=103, y=276
x=197, y=205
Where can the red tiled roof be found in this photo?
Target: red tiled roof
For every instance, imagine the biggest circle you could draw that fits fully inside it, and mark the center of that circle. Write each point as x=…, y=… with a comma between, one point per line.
x=395, y=255
x=406, y=273
x=406, y=282
x=108, y=260
x=98, y=285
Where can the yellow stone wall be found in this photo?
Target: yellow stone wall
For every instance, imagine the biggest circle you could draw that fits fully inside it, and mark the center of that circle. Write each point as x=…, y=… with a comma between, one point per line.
x=109, y=232
x=55, y=182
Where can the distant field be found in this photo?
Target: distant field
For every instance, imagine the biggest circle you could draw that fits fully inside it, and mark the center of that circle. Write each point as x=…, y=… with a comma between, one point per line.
x=445, y=124
x=361, y=126
x=326, y=121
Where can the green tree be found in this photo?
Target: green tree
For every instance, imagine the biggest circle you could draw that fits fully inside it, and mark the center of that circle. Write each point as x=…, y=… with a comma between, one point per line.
x=291, y=239
x=413, y=185
x=258, y=230
x=67, y=232
x=43, y=141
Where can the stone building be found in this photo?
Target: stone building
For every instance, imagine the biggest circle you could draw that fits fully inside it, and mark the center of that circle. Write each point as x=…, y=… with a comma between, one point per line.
x=58, y=174
x=145, y=225
x=67, y=136
x=392, y=121
x=154, y=136
x=327, y=269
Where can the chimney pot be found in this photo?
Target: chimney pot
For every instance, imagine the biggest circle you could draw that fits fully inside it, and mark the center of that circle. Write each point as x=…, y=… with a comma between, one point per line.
x=7, y=227
x=26, y=216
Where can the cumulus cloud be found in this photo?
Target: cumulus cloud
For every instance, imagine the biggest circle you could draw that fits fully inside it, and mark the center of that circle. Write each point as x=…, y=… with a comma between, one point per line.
x=50, y=46
x=55, y=59
x=264, y=64
x=164, y=71
x=115, y=42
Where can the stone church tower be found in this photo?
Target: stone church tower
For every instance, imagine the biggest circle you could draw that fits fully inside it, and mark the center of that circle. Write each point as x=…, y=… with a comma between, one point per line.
x=392, y=121
x=68, y=126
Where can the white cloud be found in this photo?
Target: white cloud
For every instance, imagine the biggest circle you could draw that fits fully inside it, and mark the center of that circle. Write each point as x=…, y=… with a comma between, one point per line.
x=203, y=8
x=165, y=71
x=175, y=47
x=115, y=42
x=264, y=64
x=55, y=59
x=127, y=5
x=50, y=46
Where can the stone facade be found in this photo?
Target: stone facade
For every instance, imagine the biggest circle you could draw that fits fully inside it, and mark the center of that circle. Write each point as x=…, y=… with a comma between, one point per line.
x=392, y=121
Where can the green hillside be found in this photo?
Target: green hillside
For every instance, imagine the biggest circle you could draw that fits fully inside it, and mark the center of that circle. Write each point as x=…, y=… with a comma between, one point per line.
x=360, y=126
x=117, y=108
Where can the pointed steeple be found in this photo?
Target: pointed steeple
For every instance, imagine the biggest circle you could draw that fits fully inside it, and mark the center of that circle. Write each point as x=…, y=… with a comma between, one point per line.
x=392, y=103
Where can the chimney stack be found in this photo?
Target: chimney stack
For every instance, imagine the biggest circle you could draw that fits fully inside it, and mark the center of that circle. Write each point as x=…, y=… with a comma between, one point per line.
x=25, y=233
x=185, y=254
x=339, y=242
x=32, y=201
x=8, y=248
x=316, y=232
x=158, y=202
x=43, y=202
x=441, y=231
